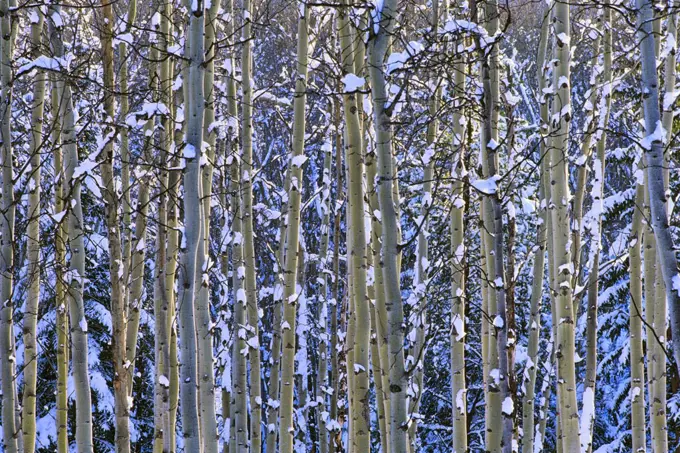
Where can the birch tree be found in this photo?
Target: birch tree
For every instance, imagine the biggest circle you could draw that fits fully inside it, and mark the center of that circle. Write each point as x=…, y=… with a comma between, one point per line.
x=595, y=226
x=291, y=291
x=529, y=381
x=654, y=156
x=384, y=19
x=458, y=287
x=73, y=278
x=116, y=264
x=203, y=318
x=7, y=347
x=247, y=175
x=563, y=270
x=31, y=308
x=193, y=229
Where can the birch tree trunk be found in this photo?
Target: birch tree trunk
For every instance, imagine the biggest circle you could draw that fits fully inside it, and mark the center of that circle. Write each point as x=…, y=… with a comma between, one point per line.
x=351, y=326
x=599, y=165
x=586, y=154
x=358, y=338
x=7, y=348
x=334, y=423
x=458, y=283
x=59, y=101
x=322, y=315
x=73, y=278
x=193, y=229
x=490, y=292
x=563, y=266
x=121, y=366
x=378, y=372
x=422, y=246
x=551, y=371
x=126, y=228
x=637, y=359
x=494, y=222
x=162, y=298
x=654, y=155
x=238, y=438
x=133, y=260
x=398, y=378
x=162, y=322
x=273, y=401
x=301, y=356
x=247, y=174
x=379, y=314
x=204, y=334
x=529, y=382
x=133, y=301
x=60, y=239
x=239, y=348
x=28, y=418
x=290, y=291
x=173, y=257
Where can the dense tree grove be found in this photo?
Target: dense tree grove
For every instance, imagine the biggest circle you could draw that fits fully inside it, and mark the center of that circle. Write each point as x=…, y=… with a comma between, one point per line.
x=304, y=226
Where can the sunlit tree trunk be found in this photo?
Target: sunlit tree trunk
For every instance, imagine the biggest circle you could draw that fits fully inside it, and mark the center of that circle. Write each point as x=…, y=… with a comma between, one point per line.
x=7, y=348
x=358, y=335
x=126, y=208
x=420, y=316
x=494, y=375
x=590, y=128
x=173, y=255
x=654, y=155
x=193, y=229
x=203, y=318
x=378, y=372
x=550, y=372
x=351, y=326
x=357, y=341
x=247, y=175
x=379, y=312
x=133, y=301
x=239, y=395
x=529, y=379
x=238, y=418
x=398, y=378
x=291, y=292
x=239, y=411
x=637, y=359
x=595, y=228
x=121, y=366
x=495, y=243
x=273, y=402
x=458, y=283
x=133, y=259
x=162, y=299
x=563, y=265
x=488, y=347
x=73, y=278
x=161, y=406
x=57, y=98
x=28, y=418
x=60, y=239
